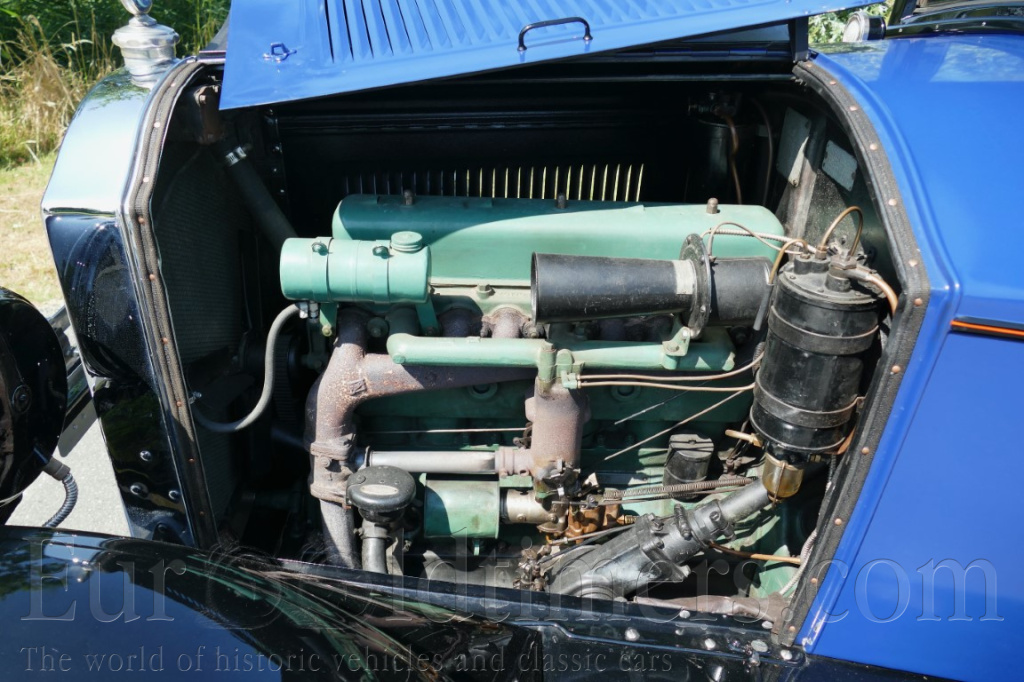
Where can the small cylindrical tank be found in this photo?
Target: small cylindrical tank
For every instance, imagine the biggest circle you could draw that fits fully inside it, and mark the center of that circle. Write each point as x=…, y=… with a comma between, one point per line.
x=820, y=324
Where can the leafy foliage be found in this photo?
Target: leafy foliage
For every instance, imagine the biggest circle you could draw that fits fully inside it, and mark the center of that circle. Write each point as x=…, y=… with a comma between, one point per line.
x=52, y=52
x=828, y=28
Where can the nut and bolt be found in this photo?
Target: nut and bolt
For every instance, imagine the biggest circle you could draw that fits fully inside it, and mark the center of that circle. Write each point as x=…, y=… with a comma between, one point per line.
x=139, y=490
x=759, y=645
x=146, y=456
x=484, y=290
x=21, y=399
x=709, y=643
x=632, y=635
x=174, y=495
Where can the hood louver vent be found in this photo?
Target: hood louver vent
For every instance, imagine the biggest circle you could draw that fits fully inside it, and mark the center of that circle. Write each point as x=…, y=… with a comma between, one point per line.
x=591, y=182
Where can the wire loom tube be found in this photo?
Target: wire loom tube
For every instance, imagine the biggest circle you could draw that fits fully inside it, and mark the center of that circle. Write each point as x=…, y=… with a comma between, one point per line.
x=268, y=382
x=70, y=500
x=62, y=473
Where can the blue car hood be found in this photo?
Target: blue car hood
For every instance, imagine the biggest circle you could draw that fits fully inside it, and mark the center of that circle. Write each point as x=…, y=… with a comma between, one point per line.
x=284, y=51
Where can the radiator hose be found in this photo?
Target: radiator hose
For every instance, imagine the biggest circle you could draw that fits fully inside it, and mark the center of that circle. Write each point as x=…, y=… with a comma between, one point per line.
x=62, y=473
x=268, y=215
x=268, y=381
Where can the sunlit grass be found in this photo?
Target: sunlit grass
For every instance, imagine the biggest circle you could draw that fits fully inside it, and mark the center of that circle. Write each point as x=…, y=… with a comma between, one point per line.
x=26, y=265
x=40, y=88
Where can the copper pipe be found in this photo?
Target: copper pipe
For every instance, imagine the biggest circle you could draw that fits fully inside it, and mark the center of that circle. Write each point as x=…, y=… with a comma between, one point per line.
x=795, y=560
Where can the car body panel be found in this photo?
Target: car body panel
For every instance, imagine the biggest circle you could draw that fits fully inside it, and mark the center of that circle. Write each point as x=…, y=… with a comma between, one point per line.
x=94, y=260
x=97, y=150
x=945, y=134
x=90, y=607
x=282, y=52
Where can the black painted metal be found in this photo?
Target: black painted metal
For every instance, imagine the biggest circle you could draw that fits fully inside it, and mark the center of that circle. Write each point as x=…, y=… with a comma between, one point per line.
x=689, y=455
x=819, y=327
x=95, y=276
x=578, y=288
x=33, y=394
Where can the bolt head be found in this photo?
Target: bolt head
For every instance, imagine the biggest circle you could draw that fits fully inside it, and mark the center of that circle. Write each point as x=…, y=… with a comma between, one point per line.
x=21, y=399
x=146, y=456
x=632, y=635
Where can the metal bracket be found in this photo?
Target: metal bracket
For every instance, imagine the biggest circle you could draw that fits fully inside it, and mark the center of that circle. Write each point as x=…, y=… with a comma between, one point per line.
x=428, y=319
x=278, y=53
x=676, y=347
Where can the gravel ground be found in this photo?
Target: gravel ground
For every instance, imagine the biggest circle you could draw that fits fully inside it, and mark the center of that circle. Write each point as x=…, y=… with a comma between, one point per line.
x=99, y=507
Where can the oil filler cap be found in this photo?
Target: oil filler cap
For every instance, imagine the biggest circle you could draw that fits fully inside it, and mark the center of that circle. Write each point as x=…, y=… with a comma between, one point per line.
x=406, y=241
x=381, y=490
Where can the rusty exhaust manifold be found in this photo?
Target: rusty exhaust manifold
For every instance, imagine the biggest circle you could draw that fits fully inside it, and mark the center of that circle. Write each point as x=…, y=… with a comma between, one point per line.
x=354, y=376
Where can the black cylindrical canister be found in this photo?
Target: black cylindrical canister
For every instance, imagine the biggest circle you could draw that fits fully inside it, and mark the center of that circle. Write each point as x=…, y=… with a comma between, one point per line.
x=689, y=455
x=582, y=288
x=819, y=327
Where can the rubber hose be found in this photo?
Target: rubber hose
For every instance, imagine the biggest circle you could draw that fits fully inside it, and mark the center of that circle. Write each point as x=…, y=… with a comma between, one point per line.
x=375, y=557
x=269, y=217
x=268, y=382
x=339, y=535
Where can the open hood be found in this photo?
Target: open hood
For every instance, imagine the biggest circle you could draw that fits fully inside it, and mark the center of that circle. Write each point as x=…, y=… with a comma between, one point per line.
x=284, y=51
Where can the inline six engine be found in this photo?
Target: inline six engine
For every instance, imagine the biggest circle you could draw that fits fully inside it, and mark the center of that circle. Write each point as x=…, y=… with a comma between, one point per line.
x=572, y=396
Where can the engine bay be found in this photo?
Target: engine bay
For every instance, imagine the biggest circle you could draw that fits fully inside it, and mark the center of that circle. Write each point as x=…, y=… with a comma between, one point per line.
x=508, y=334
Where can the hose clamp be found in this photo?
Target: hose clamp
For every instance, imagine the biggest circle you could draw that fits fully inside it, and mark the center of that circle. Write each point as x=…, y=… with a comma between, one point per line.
x=235, y=155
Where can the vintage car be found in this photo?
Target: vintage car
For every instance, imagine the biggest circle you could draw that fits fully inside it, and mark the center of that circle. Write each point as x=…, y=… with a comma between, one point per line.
x=510, y=340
